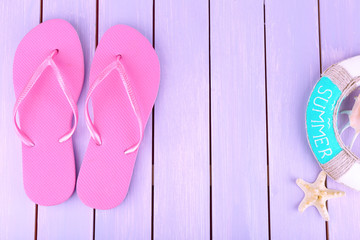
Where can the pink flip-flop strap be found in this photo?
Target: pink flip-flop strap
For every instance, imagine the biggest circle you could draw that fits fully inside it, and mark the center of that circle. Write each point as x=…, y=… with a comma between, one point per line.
x=119, y=67
x=49, y=61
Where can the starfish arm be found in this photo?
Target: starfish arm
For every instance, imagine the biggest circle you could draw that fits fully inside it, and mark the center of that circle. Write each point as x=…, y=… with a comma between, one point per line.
x=330, y=193
x=321, y=207
x=302, y=184
x=304, y=205
x=320, y=181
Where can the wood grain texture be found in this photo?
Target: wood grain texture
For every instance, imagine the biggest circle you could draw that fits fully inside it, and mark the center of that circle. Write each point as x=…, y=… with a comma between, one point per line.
x=340, y=39
x=238, y=120
x=72, y=219
x=132, y=219
x=181, y=161
x=17, y=211
x=293, y=67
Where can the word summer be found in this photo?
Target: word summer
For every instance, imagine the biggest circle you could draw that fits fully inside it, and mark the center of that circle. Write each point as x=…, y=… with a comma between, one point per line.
x=321, y=121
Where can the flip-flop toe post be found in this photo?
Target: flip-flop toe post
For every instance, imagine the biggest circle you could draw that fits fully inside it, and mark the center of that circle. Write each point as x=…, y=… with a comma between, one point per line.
x=48, y=76
x=124, y=81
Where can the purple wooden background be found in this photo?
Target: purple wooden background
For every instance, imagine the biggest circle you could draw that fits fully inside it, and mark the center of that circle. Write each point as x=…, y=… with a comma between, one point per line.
x=226, y=140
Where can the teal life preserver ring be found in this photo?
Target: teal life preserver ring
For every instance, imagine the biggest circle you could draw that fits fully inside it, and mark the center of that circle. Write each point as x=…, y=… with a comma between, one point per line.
x=333, y=156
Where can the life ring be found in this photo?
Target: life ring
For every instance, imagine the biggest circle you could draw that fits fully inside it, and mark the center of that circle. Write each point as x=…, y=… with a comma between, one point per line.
x=334, y=157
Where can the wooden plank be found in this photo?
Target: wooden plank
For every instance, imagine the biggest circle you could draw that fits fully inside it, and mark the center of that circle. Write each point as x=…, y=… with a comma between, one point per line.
x=238, y=120
x=132, y=219
x=340, y=39
x=181, y=160
x=72, y=219
x=16, y=209
x=293, y=67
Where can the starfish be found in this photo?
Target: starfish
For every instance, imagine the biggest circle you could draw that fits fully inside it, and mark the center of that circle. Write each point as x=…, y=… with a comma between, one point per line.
x=316, y=194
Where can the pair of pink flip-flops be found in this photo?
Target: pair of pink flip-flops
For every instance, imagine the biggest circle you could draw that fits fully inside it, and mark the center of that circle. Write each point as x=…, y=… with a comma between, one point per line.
x=48, y=78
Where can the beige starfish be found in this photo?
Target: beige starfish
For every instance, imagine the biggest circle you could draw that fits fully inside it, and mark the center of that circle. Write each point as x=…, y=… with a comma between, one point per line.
x=316, y=194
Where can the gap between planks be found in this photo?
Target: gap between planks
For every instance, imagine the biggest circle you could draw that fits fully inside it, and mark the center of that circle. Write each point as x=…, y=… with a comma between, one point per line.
x=36, y=206
x=320, y=61
x=210, y=132
x=267, y=126
x=153, y=137
x=96, y=43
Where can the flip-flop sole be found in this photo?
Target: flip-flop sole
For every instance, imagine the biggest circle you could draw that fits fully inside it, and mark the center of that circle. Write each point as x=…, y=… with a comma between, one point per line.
x=45, y=115
x=106, y=171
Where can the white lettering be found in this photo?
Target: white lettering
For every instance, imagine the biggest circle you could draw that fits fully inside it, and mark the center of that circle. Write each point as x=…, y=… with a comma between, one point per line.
x=326, y=90
x=326, y=152
x=322, y=141
x=323, y=107
x=321, y=113
x=320, y=131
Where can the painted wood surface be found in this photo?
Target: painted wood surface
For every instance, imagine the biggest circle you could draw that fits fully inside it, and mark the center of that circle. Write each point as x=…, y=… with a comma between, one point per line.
x=72, y=219
x=340, y=39
x=16, y=209
x=132, y=219
x=238, y=120
x=209, y=50
x=293, y=67
x=181, y=157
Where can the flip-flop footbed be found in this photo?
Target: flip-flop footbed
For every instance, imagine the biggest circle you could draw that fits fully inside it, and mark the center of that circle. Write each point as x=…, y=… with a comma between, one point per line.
x=106, y=170
x=45, y=114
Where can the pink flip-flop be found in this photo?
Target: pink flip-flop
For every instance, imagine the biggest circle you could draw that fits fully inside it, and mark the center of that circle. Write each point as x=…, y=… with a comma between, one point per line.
x=48, y=77
x=124, y=81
